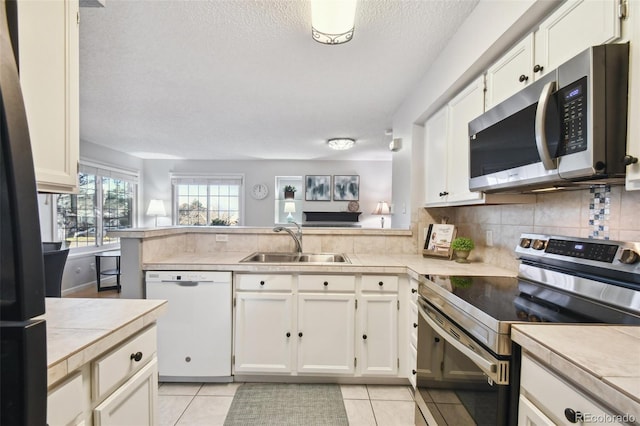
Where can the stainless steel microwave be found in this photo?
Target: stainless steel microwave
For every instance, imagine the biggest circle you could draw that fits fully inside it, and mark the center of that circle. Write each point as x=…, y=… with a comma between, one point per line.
x=569, y=126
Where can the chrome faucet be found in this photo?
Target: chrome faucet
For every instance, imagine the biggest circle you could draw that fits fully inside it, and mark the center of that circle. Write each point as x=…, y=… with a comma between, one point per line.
x=297, y=236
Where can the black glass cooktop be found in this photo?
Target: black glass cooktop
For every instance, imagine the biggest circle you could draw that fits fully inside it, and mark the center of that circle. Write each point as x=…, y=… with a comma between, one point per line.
x=516, y=299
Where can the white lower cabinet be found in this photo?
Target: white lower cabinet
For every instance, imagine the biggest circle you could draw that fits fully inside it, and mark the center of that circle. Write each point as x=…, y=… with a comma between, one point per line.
x=119, y=387
x=264, y=332
x=548, y=399
x=132, y=403
x=326, y=333
x=313, y=325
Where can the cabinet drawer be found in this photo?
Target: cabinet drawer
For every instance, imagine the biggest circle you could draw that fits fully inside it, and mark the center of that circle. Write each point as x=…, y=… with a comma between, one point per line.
x=263, y=282
x=65, y=402
x=552, y=395
x=379, y=283
x=116, y=366
x=326, y=283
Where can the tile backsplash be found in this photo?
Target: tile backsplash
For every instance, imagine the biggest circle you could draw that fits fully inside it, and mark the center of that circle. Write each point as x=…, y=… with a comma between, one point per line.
x=600, y=212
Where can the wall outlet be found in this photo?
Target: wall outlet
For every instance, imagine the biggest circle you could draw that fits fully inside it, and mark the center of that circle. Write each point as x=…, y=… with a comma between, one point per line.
x=489, y=238
x=222, y=238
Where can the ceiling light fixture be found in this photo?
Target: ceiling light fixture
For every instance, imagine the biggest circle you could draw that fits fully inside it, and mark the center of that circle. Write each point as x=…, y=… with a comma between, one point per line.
x=341, y=143
x=333, y=21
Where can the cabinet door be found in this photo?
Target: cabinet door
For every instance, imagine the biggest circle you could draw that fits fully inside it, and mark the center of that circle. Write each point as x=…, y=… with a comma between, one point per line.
x=510, y=73
x=134, y=403
x=530, y=415
x=435, y=158
x=468, y=105
x=263, y=333
x=48, y=37
x=575, y=26
x=326, y=325
x=378, y=334
x=65, y=403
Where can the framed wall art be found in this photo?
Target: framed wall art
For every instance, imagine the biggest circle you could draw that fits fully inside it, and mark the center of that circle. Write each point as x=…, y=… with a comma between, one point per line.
x=346, y=187
x=317, y=188
x=438, y=240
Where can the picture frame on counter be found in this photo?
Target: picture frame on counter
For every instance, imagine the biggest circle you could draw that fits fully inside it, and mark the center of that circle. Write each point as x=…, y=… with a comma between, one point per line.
x=437, y=242
x=317, y=188
x=346, y=187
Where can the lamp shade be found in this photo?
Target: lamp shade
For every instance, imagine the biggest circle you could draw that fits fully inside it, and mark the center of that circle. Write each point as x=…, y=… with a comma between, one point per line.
x=289, y=207
x=156, y=208
x=382, y=208
x=332, y=21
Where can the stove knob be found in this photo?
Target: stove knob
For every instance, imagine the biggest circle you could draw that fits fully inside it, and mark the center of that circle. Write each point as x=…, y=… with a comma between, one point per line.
x=539, y=244
x=629, y=257
x=525, y=242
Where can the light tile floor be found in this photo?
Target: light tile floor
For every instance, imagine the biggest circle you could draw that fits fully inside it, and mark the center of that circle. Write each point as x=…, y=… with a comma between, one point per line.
x=194, y=404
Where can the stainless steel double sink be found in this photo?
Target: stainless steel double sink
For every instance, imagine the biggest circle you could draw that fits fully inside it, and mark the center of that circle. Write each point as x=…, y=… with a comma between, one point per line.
x=271, y=257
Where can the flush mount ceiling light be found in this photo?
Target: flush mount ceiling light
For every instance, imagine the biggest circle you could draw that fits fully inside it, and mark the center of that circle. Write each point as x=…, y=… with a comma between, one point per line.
x=341, y=143
x=332, y=21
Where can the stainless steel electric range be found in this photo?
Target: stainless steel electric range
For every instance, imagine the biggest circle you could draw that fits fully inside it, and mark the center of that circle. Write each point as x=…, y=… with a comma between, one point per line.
x=467, y=367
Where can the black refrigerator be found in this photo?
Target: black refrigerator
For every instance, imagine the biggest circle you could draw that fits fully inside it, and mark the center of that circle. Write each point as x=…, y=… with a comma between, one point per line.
x=23, y=343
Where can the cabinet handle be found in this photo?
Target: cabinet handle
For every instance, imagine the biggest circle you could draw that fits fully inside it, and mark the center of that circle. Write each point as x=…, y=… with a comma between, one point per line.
x=326, y=283
x=364, y=336
x=437, y=340
x=523, y=78
x=572, y=415
x=136, y=357
x=629, y=160
x=414, y=372
x=443, y=193
x=300, y=334
x=261, y=282
x=288, y=334
x=415, y=325
x=537, y=68
x=413, y=290
x=380, y=283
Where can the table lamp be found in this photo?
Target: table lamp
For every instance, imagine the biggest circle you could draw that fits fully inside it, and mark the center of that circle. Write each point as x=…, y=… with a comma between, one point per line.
x=382, y=209
x=289, y=207
x=156, y=208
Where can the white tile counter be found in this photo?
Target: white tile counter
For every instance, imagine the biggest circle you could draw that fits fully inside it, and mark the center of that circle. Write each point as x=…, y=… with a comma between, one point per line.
x=603, y=359
x=79, y=330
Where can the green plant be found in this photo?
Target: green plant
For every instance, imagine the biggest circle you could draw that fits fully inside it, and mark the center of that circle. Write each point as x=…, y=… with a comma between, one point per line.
x=461, y=282
x=462, y=243
x=289, y=188
x=219, y=222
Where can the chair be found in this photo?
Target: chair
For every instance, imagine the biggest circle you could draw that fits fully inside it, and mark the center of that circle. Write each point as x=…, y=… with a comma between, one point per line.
x=54, y=261
x=49, y=246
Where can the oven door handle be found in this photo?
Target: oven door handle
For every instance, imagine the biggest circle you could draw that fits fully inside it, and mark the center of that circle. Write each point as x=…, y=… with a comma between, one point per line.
x=490, y=368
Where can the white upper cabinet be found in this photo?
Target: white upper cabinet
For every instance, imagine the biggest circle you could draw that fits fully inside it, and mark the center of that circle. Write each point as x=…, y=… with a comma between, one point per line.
x=511, y=73
x=435, y=154
x=48, y=62
x=573, y=27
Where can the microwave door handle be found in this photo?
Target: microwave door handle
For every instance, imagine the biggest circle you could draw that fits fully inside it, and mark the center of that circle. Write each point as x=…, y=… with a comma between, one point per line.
x=541, y=137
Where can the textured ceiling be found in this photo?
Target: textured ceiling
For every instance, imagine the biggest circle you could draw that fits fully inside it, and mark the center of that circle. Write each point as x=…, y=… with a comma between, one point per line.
x=243, y=79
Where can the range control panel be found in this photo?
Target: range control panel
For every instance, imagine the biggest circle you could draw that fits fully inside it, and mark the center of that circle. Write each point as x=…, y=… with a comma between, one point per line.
x=616, y=255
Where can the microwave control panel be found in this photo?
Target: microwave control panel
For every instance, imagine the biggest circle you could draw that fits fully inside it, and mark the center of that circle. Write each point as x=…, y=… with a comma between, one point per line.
x=572, y=102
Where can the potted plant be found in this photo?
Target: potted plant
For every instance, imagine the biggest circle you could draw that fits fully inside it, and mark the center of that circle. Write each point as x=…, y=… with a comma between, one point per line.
x=289, y=192
x=461, y=247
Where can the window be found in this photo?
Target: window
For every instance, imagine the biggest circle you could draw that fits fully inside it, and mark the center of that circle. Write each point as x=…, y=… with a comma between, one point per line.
x=208, y=200
x=106, y=200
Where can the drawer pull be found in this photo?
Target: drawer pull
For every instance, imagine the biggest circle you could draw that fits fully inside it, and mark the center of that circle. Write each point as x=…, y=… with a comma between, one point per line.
x=415, y=325
x=380, y=283
x=414, y=372
x=572, y=415
x=326, y=283
x=300, y=334
x=364, y=336
x=136, y=357
x=288, y=334
x=413, y=290
x=261, y=282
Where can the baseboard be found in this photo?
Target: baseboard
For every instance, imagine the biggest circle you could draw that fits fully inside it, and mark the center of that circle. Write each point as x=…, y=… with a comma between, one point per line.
x=106, y=282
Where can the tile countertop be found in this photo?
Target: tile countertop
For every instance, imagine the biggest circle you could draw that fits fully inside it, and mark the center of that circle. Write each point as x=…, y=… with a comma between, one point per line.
x=414, y=265
x=605, y=359
x=79, y=330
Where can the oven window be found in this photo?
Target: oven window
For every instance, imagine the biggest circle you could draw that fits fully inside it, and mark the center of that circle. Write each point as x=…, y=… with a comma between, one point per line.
x=452, y=388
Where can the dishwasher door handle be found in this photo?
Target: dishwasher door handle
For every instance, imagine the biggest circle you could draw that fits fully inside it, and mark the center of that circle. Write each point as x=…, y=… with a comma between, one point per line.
x=184, y=283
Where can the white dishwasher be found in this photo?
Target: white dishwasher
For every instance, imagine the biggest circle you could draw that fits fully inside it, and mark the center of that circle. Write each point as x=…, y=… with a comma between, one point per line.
x=194, y=335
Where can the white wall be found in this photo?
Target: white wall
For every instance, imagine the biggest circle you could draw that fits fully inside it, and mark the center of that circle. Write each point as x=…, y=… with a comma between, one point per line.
x=375, y=184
